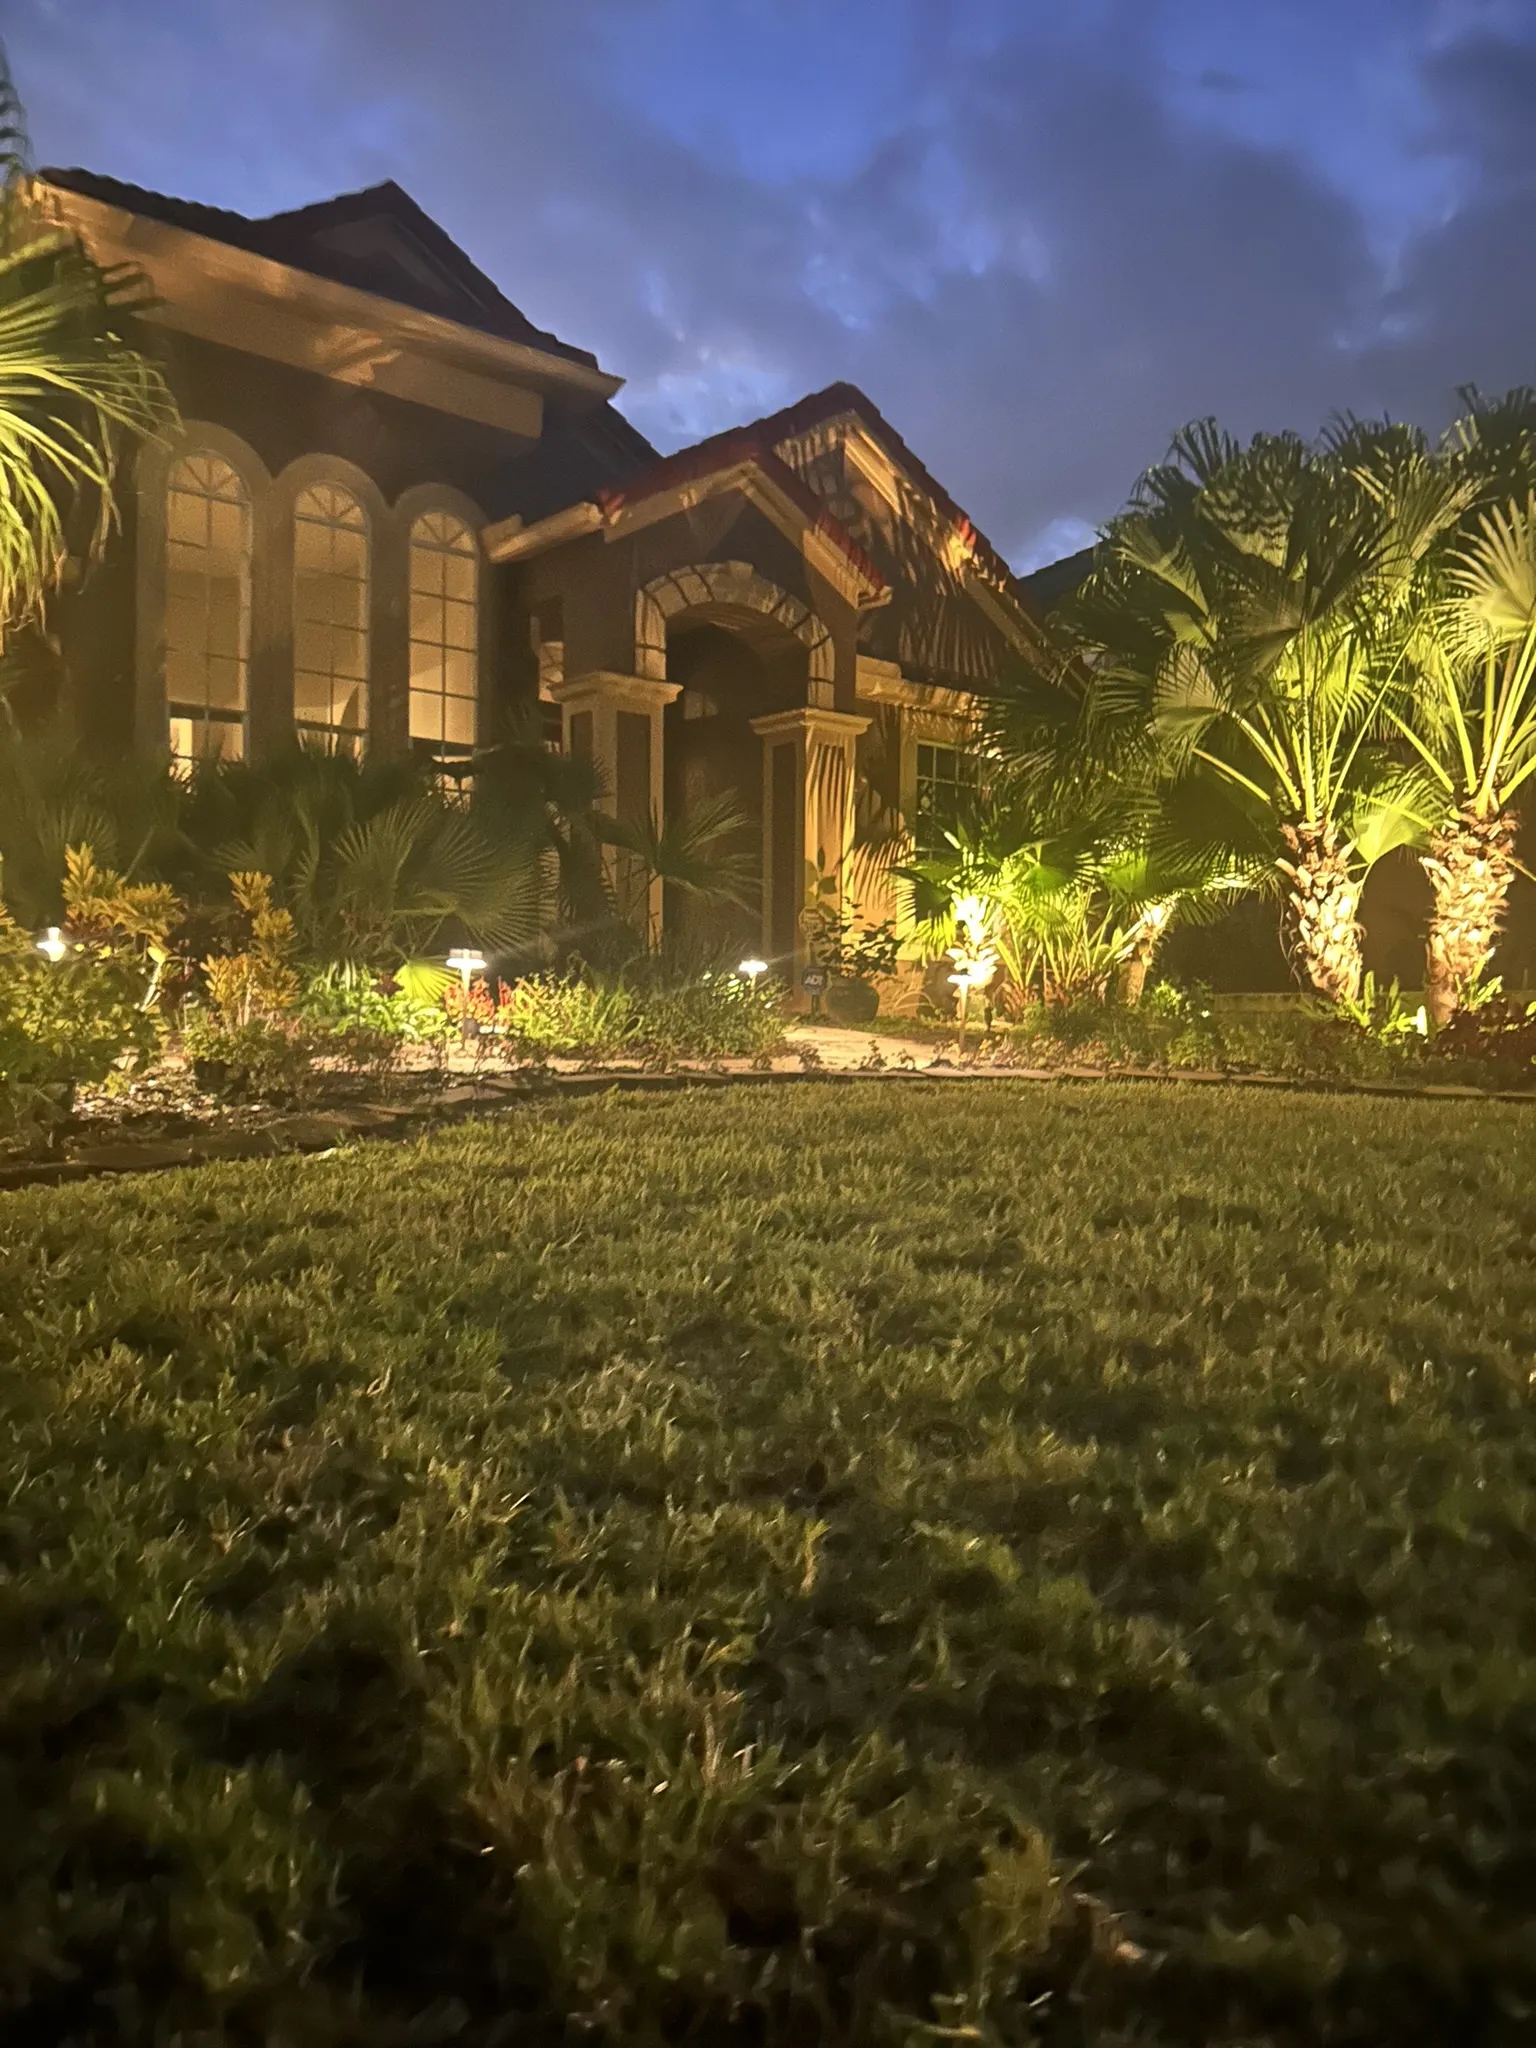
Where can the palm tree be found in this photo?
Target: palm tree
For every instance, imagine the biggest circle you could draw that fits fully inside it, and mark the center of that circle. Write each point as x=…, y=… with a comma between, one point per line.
x=695, y=853
x=1472, y=725
x=375, y=864
x=54, y=796
x=73, y=388
x=1236, y=629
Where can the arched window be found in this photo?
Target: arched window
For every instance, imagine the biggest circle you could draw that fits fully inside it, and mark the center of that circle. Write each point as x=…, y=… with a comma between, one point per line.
x=330, y=617
x=207, y=608
x=445, y=565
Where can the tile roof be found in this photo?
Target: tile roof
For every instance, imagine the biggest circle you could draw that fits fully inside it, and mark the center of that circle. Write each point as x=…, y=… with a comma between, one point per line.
x=295, y=238
x=762, y=437
x=1048, y=585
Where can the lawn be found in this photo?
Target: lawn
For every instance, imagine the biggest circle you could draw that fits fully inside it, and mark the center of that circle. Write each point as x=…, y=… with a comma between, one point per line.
x=863, y=1564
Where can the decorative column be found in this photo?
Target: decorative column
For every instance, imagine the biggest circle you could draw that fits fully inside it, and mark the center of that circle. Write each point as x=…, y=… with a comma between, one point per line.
x=614, y=722
x=808, y=761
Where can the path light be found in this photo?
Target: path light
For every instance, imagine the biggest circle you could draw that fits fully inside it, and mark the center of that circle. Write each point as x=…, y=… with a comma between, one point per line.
x=753, y=970
x=976, y=960
x=467, y=963
x=54, y=944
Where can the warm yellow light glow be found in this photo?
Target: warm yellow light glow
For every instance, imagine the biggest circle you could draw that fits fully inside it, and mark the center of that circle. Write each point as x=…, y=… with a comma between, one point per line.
x=54, y=944
x=972, y=919
x=466, y=964
x=752, y=969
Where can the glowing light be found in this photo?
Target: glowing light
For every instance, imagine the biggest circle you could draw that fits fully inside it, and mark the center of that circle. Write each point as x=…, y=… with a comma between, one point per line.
x=467, y=963
x=753, y=970
x=54, y=944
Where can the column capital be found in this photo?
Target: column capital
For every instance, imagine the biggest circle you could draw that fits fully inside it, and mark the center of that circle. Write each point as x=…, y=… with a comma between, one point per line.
x=816, y=726
x=613, y=688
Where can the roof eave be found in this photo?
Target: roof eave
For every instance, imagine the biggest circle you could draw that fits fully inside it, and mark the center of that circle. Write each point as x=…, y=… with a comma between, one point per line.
x=143, y=240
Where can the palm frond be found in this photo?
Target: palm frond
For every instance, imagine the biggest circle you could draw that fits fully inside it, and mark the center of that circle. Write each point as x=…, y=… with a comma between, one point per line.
x=73, y=387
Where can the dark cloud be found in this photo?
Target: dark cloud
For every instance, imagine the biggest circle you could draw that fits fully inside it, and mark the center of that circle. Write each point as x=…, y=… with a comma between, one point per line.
x=1012, y=229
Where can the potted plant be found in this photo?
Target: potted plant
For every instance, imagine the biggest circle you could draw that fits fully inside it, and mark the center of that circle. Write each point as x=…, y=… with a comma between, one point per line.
x=856, y=955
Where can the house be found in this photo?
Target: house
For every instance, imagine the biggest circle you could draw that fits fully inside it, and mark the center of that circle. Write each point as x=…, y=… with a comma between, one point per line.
x=398, y=514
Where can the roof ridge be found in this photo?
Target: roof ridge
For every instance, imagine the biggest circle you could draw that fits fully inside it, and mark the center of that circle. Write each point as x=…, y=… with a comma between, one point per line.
x=287, y=214
x=264, y=235
x=818, y=407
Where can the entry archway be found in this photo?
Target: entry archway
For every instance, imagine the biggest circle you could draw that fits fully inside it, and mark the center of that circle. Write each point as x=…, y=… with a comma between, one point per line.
x=721, y=588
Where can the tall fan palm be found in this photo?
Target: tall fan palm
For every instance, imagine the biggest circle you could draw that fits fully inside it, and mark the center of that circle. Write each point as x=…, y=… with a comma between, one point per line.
x=73, y=388
x=1237, y=627
x=1472, y=725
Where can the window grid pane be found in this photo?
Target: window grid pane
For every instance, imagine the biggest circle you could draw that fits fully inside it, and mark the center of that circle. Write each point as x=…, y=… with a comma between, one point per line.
x=207, y=609
x=330, y=616
x=444, y=636
x=946, y=782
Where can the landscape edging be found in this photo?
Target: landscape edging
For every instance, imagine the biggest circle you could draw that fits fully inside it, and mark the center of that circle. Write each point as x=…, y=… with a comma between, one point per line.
x=323, y=1130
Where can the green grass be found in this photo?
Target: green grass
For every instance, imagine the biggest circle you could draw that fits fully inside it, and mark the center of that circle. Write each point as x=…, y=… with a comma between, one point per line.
x=825, y=1565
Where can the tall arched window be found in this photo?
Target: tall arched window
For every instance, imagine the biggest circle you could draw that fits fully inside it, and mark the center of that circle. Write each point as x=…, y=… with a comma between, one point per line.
x=207, y=608
x=445, y=565
x=330, y=617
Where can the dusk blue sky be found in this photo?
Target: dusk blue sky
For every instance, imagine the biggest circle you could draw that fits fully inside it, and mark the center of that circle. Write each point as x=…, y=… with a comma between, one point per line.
x=1040, y=236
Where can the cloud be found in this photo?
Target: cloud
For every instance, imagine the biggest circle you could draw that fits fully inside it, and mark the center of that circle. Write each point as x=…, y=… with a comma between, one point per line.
x=1002, y=219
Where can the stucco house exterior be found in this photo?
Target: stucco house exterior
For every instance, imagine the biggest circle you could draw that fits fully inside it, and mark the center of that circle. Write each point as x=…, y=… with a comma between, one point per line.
x=397, y=514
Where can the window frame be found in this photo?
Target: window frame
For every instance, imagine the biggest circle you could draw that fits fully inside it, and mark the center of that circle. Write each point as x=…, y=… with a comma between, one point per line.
x=180, y=705
x=338, y=736
x=931, y=823
x=456, y=541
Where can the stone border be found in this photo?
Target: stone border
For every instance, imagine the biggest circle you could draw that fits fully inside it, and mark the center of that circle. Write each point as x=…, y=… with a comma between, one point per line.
x=324, y=1130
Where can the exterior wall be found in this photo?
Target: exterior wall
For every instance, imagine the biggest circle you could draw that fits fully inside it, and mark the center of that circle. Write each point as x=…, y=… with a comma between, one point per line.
x=594, y=581
x=282, y=429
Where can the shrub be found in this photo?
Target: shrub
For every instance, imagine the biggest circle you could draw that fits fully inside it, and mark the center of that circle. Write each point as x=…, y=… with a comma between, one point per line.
x=62, y=1024
x=251, y=1061
x=710, y=1015
x=1499, y=1034
x=570, y=1015
x=76, y=1019
x=408, y=1006
x=1177, y=1029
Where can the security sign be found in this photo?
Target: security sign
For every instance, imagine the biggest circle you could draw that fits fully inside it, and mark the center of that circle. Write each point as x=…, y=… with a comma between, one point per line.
x=813, y=980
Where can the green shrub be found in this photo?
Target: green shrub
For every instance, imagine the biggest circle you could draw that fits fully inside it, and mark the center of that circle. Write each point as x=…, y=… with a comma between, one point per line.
x=63, y=1024
x=572, y=1015
x=711, y=1014
x=76, y=1019
x=406, y=1006
x=1175, y=1029
x=259, y=1060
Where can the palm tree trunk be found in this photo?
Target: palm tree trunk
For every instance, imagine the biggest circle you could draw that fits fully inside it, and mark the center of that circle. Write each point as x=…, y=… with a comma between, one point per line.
x=1141, y=950
x=1322, y=911
x=1470, y=864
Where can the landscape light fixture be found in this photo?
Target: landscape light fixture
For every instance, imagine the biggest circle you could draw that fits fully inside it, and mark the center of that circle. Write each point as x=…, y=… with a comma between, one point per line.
x=54, y=944
x=753, y=970
x=468, y=964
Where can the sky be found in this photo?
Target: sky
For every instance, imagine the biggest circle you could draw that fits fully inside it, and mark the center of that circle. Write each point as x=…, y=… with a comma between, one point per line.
x=1040, y=234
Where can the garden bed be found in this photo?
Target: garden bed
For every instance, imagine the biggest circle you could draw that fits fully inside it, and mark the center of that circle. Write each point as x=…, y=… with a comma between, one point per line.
x=903, y=1565
x=163, y=1120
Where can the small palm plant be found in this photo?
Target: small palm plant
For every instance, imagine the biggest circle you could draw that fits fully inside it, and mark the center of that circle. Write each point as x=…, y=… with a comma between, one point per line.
x=373, y=863
x=73, y=387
